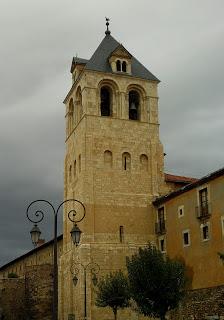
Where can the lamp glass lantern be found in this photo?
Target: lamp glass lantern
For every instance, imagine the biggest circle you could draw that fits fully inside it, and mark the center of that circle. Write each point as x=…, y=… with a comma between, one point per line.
x=35, y=234
x=76, y=234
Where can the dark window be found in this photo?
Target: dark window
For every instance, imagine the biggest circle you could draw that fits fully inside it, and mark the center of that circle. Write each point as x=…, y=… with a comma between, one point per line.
x=105, y=101
x=161, y=214
x=186, y=238
x=205, y=232
x=118, y=63
x=203, y=199
x=126, y=161
x=124, y=66
x=121, y=233
x=162, y=245
x=133, y=105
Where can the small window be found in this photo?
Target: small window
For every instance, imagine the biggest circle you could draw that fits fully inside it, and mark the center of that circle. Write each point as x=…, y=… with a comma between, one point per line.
x=124, y=66
x=222, y=225
x=161, y=214
x=162, y=244
x=70, y=173
x=126, y=161
x=80, y=164
x=203, y=202
x=186, y=238
x=180, y=211
x=74, y=168
x=121, y=234
x=205, y=232
x=118, y=64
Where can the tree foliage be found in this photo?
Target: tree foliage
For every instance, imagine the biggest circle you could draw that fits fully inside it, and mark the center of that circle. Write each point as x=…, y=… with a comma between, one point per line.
x=13, y=275
x=157, y=284
x=113, y=292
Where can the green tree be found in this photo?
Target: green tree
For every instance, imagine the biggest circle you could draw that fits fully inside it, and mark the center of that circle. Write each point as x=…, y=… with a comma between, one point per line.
x=113, y=292
x=157, y=284
x=13, y=275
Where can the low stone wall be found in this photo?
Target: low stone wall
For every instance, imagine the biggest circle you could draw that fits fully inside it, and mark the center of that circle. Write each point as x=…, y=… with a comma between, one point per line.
x=12, y=299
x=30, y=297
x=39, y=291
x=201, y=304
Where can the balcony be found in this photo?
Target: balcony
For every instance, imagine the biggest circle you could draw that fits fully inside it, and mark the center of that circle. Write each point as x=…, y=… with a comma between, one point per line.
x=203, y=211
x=160, y=227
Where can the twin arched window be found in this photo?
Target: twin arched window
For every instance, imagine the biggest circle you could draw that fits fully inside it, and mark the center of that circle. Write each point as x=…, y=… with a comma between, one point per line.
x=106, y=102
x=121, y=66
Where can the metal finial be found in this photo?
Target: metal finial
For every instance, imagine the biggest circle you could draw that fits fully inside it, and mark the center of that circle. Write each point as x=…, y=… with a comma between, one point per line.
x=107, y=32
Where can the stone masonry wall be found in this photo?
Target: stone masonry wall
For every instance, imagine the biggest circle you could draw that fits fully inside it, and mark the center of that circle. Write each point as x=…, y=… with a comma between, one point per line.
x=29, y=297
x=12, y=299
x=39, y=291
x=201, y=304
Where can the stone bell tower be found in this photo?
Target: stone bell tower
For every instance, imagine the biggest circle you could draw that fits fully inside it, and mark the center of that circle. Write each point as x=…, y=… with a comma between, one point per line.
x=113, y=164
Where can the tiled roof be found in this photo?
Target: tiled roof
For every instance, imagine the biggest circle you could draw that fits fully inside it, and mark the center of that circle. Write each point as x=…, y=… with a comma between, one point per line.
x=190, y=186
x=100, y=60
x=178, y=179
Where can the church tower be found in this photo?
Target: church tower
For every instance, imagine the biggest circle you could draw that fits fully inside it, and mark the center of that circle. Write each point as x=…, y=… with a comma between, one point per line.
x=113, y=164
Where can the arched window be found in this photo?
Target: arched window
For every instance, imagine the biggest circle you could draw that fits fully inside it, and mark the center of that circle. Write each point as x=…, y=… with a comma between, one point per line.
x=70, y=116
x=144, y=162
x=124, y=66
x=105, y=104
x=126, y=161
x=108, y=159
x=118, y=64
x=133, y=105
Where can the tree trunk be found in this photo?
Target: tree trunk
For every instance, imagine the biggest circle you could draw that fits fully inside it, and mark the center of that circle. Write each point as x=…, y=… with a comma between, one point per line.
x=115, y=313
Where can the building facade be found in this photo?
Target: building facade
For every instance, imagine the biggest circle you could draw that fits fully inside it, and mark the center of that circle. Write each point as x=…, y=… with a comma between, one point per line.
x=192, y=218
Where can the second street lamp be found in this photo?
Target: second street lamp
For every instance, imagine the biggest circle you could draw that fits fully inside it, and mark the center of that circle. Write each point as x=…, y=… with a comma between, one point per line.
x=94, y=269
x=74, y=216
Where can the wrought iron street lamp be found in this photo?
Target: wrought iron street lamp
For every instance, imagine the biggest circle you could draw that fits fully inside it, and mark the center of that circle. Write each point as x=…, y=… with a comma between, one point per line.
x=74, y=216
x=94, y=270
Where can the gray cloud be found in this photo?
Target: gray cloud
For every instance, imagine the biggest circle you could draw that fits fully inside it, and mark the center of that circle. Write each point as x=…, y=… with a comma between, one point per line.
x=181, y=42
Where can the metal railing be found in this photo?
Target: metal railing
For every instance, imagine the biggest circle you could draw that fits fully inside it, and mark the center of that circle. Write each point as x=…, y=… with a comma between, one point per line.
x=160, y=227
x=203, y=211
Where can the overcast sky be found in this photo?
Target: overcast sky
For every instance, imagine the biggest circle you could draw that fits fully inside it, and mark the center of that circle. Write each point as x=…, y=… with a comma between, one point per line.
x=179, y=41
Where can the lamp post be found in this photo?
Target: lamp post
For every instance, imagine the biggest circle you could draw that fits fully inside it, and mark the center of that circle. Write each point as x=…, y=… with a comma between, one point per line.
x=94, y=269
x=75, y=234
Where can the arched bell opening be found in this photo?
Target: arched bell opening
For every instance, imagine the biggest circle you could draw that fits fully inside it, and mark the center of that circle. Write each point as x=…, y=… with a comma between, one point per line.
x=105, y=101
x=134, y=100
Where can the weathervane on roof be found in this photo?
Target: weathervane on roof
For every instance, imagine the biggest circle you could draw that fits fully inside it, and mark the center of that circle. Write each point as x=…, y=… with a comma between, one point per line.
x=107, y=32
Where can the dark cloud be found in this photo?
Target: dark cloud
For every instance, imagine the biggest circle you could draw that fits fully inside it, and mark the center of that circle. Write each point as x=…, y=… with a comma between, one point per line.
x=181, y=42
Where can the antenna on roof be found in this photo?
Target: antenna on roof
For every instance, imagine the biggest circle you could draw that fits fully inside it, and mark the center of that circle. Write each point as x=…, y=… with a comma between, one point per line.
x=107, y=32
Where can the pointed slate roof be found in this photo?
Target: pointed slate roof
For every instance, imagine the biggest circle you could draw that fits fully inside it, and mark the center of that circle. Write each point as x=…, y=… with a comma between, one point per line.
x=99, y=60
